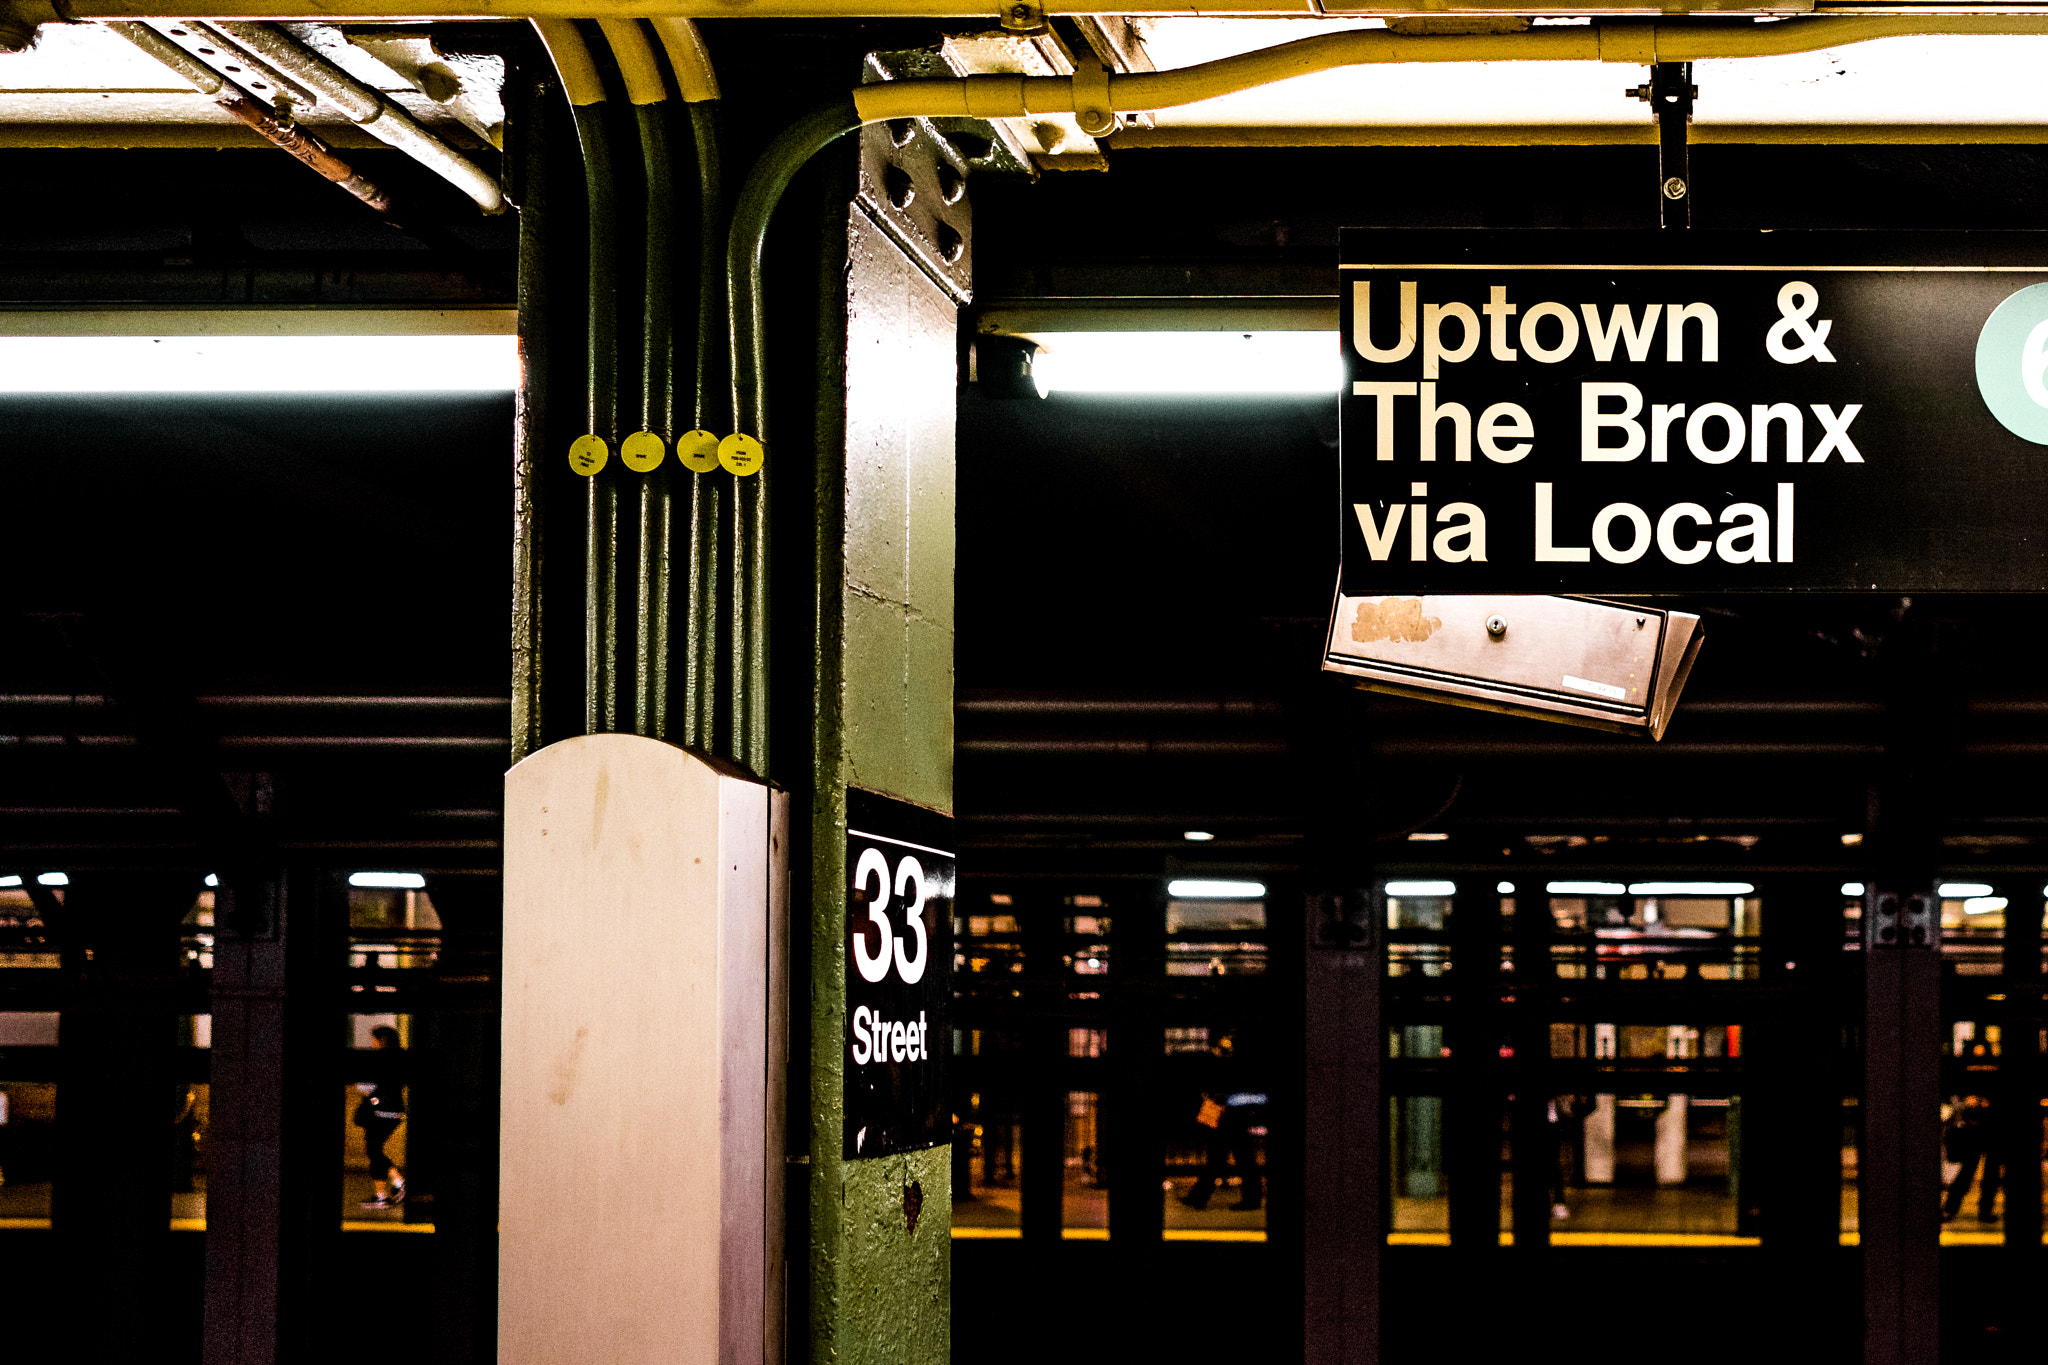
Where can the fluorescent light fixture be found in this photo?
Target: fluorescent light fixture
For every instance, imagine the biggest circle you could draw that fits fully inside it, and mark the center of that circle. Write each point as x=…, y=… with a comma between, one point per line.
x=1852, y=888
x=1957, y=891
x=1851, y=840
x=1199, y=888
x=1399, y=890
x=212, y=879
x=53, y=879
x=259, y=364
x=1197, y=836
x=10, y=881
x=1692, y=888
x=399, y=881
x=1419, y=838
x=1188, y=362
x=1504, y=888
x=1585, y=888
x=1983, y=905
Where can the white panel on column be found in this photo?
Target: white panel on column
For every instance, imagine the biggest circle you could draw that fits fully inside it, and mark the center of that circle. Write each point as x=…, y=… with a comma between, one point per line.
x=640, y=1143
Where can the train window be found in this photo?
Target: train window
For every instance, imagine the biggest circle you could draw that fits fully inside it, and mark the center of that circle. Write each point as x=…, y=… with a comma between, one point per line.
x=25, y=941
x=1973, y=931
x=1420, y=1206
x=987, y=1158
x=363, y=1029
x=1085, y=951
x=195, y=934
x=989, y=941
x=1418, y=912
x=377, y=1128
x=1973, y=1195
x=1215, y=938
x=391, y=929
x=188, y=1156
x=1215, y=1125
x=28, y=1119
x=1084, y=1196
x=1645, y=1167
x=1852, y=1152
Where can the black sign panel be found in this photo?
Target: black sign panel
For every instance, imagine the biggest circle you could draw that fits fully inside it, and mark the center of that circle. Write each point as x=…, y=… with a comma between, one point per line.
x=899, y=975
x=1650, y=412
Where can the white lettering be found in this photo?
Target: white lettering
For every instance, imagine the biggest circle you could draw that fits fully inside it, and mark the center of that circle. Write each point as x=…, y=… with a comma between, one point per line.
x=1675, y=318
x=1379, y=543
x=1603, y=526
x=1568, y=333
x=873, y=966
x=910, y=872
x=1592, y=420
x=1621, y=324
x=1667, y=533
x=1784, y=523
x=1433, y=315
x=1384, y=392
x=1361, y=324
x=1498, y=310
x=1457, y=414
x=1834, y=433
x=1547, y=551
x=1760, y=419
x=1662, y=415
x=1472, y=528
x=1505, y=420
x=1696, y=442
x=1747, y=541
x=863, y=1049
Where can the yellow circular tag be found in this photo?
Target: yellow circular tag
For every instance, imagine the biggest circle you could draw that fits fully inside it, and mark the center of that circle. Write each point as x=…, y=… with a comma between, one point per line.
x=642, y=451
x=587, y=455
x=698, y=450
x=741, y=453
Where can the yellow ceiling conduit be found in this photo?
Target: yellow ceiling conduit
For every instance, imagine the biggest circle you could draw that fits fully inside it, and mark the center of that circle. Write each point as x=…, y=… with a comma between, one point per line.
x=1635, y=43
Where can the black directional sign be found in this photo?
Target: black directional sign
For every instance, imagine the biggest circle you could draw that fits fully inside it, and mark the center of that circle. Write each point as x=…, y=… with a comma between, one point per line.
x=899, y=975
x=1650, y=412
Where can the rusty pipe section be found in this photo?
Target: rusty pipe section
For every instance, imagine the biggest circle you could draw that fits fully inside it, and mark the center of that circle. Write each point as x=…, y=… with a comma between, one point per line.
x=368, y=109
x=302, y=145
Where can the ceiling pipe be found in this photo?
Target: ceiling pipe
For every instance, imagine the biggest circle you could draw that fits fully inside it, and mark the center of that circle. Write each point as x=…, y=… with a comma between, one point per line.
x=303, y=146
x=1097, y=98
x=368, y=109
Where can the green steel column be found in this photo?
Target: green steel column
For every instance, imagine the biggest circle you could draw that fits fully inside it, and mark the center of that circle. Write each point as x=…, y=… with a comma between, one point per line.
x=531, y=449
x=882, y=698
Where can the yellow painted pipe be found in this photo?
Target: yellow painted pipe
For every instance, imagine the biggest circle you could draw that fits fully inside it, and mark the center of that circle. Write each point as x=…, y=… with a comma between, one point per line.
x=573, y=62
x=635, y=56
x=1635, y=43
x=688, y=58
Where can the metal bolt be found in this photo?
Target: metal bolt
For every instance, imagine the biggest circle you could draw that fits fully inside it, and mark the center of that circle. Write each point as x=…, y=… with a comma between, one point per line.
x=1496, y=626
x=1674, y=188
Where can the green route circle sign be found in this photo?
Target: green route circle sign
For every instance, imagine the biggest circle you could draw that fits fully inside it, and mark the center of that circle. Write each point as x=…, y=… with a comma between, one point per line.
x=2012, y=364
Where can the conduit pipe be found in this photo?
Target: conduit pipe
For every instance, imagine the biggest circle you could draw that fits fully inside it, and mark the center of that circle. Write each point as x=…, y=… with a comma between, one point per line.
x=1634, y=43
x=586, y=94
x=308, y=149
x=698, y=85
x=368, y=109
x=647, y=92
